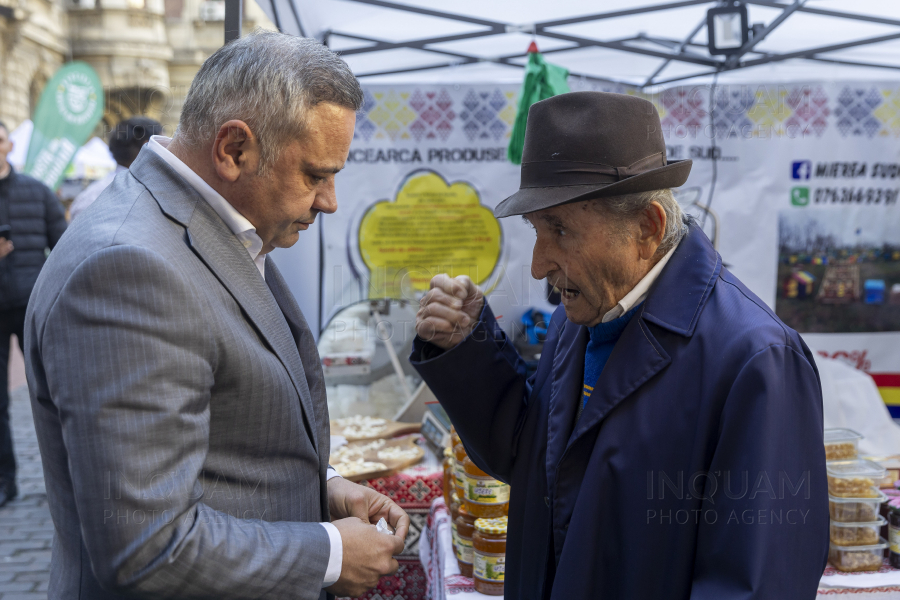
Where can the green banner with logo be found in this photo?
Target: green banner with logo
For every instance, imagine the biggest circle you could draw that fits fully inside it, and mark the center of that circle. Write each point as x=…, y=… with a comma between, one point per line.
x=68, y=111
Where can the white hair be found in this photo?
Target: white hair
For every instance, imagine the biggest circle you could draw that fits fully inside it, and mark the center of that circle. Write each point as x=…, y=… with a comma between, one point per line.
x=268, y=80
x=626, y=209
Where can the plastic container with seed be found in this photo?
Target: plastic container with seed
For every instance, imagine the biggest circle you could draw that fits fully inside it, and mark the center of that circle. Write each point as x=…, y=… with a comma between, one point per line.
x=856, y=510
x=857, y=534
x=841, y=444
x=857, y=558
x=854, y=478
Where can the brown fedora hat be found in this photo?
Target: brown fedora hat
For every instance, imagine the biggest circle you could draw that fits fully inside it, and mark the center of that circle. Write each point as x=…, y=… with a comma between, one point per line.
x=586, y=145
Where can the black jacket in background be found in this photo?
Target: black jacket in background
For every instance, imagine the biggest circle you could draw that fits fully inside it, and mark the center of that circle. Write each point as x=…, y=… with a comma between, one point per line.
x=37, y=220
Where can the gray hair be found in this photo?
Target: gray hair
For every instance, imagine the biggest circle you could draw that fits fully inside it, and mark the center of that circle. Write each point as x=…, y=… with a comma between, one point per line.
x=625, y=209
x=268, y=80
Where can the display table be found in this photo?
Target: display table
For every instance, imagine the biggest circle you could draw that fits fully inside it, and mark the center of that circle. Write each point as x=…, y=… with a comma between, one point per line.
x=414, y=489
x=444, y=579
x=438, y=560
x=881, y=585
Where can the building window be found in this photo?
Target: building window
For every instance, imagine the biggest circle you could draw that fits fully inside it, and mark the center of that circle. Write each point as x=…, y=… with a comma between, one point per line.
x=212, y=10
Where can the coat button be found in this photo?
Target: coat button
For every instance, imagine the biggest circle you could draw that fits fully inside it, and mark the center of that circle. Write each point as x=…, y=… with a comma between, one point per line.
x=547, y=501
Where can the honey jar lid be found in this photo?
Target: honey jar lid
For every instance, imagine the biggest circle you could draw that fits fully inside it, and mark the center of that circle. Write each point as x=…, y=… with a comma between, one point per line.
x=448, y=453
x=454, y=497
x=495, y=526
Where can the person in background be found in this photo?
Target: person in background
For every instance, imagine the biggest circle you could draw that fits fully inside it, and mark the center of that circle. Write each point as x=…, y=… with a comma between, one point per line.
x=125, y=142
x=33, y=220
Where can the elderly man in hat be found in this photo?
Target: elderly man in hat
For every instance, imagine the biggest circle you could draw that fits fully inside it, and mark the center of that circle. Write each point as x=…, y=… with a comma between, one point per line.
x=670, y=443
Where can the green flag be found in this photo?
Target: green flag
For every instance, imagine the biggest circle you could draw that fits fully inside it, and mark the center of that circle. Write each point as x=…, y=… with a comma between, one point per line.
x=68, y=111
x=542, y=81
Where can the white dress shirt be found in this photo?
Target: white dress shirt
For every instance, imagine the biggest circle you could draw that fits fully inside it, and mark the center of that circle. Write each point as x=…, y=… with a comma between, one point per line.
x=640, y=291
x=245, y=232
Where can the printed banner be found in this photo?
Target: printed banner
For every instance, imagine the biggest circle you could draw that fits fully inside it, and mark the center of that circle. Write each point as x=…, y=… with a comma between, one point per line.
x=796, y=185
x=69, y=109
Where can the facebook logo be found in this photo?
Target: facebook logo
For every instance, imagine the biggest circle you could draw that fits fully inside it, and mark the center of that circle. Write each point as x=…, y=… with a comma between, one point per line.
x=801, y=169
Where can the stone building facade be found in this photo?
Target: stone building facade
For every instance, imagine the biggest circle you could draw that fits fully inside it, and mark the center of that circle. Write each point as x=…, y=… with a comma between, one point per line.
x=146, y=52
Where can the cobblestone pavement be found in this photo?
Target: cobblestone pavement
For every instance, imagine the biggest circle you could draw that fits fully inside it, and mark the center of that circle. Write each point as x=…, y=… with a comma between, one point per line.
x=26, y=531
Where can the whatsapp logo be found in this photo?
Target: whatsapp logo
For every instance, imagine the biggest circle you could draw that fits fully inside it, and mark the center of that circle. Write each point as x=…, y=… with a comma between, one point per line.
x=800, y=196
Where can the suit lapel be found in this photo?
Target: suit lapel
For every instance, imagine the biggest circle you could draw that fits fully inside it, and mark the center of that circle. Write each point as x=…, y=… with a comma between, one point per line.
x=305, y=343
x=223, y=254
x=635, y=359
x=221, y=251
x=565, y=393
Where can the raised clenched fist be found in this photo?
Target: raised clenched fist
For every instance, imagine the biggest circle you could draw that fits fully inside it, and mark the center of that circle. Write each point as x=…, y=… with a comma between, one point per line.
x=449, y=311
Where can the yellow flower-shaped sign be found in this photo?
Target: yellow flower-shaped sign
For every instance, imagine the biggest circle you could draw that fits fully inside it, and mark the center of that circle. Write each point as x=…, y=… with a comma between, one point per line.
x=430, y=227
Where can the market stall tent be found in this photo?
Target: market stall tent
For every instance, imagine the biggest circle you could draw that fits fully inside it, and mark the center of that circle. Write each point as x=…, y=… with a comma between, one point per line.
x=92, y=161
x=795, y=132
x=641, y=43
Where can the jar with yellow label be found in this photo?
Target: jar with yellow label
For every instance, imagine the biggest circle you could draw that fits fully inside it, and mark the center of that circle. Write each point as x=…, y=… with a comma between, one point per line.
x=484, y=495
x=454, y=512
x=465, y=527
x=894, y=535
x=449, y=475
x=459, y=452
x=489, y=555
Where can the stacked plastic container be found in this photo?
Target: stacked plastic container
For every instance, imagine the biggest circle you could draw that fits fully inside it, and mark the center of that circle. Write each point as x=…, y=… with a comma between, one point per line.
x=853, y=502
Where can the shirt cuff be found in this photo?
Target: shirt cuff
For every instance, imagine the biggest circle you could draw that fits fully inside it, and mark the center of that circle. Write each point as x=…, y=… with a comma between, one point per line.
x=335, y=557
x=331, y=474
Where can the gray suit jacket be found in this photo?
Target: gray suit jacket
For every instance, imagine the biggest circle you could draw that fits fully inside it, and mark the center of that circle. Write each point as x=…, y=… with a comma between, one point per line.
x=179, y=405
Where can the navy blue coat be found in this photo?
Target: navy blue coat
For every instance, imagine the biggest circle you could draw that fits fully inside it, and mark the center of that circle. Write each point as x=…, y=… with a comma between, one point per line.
x=697, y=469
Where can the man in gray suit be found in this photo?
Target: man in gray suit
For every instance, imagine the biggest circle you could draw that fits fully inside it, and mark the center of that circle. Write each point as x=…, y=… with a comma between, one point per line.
x=177, y=392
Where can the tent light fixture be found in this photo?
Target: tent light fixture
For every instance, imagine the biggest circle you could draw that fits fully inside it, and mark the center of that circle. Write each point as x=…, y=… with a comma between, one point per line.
x=727, y=28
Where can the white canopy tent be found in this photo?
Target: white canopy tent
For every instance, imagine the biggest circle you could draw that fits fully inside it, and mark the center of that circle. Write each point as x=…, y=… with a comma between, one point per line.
x=643, y=43
x=634, y=42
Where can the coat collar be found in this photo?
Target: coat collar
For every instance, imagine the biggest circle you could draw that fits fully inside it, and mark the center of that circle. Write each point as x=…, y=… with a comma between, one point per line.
x=215, y=244
x=175, y=196
x=674, y=303
x=677, y=298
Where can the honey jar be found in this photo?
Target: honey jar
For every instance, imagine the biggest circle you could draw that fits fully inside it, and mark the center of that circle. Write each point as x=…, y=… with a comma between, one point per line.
x=449, y=475
x=484, y=496
x=489, y=555
x=454, y=512
x=465, y=528
x=459, y=453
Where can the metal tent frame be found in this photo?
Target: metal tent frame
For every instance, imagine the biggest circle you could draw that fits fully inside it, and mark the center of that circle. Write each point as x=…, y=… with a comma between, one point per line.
x=287, y=18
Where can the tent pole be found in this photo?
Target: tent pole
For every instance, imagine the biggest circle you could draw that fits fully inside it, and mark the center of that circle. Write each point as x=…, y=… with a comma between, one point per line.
x=678, y=50
x=828, y=13
x=811, y=52
x=234, y=17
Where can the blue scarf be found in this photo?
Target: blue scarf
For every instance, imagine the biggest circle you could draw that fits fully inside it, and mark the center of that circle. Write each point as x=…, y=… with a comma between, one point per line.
x=603, y=339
